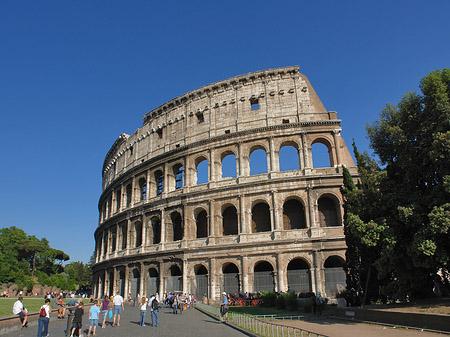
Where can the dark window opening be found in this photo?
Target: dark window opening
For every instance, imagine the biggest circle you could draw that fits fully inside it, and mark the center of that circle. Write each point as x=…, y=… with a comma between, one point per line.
x=177, y=226
x=159, y=180
x=160, y=133
x=254, y=104
x=227, y=132
x=138, y=232
x=128, y=195
x=230, y=221
x=179, y=172
x=202, y=225
x=143, y=188
x=293, y=215
x=261, y=218
x=327, y=212
x=118, y=199
x=200, y=118
x=131, y=150
x=285, y=121
x=156, y=226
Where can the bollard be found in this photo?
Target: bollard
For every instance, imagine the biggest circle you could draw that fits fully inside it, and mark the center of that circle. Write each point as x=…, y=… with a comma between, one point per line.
x=69, y=320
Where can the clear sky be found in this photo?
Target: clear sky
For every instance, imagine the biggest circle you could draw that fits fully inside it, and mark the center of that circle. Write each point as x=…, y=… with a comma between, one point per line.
x=74, y=75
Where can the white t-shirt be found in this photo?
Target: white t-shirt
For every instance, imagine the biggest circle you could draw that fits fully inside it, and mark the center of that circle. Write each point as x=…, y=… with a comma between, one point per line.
x=47, y=309
x=144, y=306
x=118, y=300
x=17, y=307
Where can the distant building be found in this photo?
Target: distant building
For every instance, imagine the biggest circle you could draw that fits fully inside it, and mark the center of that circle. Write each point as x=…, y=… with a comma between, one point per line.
x=164, y=226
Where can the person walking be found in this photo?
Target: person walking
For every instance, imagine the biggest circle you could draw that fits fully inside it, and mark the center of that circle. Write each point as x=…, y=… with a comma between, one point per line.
x=118, y=308
x=154, y=307
x=44, y=318
x=20, y=311
x=77, y=319
x=144, y=305
x=224, y=307
x=93, y=318
x=104, y=309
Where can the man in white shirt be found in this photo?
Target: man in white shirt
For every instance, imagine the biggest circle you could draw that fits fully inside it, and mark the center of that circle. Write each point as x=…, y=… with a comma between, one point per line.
x=118, y=308
x=19, y=310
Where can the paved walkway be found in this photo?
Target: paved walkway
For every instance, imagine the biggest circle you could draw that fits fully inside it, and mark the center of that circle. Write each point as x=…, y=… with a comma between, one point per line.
x=192, y=323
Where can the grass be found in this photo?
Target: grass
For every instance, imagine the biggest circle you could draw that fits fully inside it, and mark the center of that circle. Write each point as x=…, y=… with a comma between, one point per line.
x=258, y=310
x=33, y=304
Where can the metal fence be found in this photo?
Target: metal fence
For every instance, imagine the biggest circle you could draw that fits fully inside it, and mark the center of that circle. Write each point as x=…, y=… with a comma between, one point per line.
x=260, y=325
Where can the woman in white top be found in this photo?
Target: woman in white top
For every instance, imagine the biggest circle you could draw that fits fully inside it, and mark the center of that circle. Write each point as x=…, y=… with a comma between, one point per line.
x=144, y=306
x=44, y=318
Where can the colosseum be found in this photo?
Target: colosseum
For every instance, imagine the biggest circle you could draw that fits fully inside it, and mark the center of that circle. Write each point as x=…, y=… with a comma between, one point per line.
x=218, y=191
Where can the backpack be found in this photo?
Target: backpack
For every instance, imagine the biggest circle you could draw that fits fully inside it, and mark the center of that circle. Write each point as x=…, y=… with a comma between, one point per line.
x=42, y=312
x=155, y=304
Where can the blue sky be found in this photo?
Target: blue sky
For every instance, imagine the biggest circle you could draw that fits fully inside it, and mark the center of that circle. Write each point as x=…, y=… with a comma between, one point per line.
x=74, y=75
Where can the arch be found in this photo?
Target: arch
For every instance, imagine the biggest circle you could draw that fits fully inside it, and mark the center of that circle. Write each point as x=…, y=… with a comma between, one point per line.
x=258, y=160
x=113, y=239
x=176, y=226
x=289, y=159
x=122, y=282
x=261, y=218
x=299, y=276
x=293, y=215
x=142, y=189
x=328, y=214
x=178, y=172
x=228, y=164
x=201, y=167
x=321, y=153
x=263, y=277
x=335, y=276
x=174, y=281
x=201, y=222
x=156, y=229
x=152, y=281
x=137, y=234
x=229, y=221
x=135, y=282
x=159, y=182
x=199, y=283
x=230, y=278
x=128, y=190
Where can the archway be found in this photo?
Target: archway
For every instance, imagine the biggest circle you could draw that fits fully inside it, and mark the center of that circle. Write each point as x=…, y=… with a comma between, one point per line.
x=261, y=218
x=328, y=216
x=135, y=283
x=199, y=284
x=335, y=277
x=230, y=278
x=152, y=281
x=263, y=277
x=230, y=221
x=299, y=276
x=201, y=222
x=174, y=282
x=293, y=215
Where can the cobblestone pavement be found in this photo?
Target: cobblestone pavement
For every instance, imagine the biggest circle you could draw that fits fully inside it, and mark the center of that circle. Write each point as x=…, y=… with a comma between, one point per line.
x=192, y=323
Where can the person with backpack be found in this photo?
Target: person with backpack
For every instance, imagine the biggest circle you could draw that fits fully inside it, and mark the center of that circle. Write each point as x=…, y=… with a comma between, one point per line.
x=154, y=305
x=77, y=319
x=44, y=318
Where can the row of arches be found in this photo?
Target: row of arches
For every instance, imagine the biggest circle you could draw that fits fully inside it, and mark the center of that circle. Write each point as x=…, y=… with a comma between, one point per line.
x=298, y=278
x=155, y=231
x=149, y=185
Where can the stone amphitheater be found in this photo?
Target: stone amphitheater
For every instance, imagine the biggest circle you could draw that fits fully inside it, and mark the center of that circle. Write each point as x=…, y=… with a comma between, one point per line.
x=218, y=191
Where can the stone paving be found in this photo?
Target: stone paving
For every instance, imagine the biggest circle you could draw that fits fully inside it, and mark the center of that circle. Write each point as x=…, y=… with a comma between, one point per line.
x=192, y=323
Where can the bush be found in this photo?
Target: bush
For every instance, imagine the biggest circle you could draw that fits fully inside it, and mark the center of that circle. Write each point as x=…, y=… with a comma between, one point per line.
x=268, y=298
x=291, y=301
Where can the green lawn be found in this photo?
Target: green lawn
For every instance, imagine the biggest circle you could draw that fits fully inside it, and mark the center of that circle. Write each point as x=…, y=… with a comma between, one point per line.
x=258, y=310
x=31, y=303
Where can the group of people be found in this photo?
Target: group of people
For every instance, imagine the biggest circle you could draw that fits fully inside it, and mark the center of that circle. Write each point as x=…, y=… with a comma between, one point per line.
x=154, y=303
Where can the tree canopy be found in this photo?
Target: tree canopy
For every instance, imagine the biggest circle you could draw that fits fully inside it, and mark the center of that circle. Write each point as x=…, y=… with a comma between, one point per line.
x=27, y=260
x=398, y=217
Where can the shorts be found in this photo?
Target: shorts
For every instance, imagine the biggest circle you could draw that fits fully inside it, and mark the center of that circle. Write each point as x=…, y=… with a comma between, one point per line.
x=93, y=322
x=117, y=309
x=76, y=325
x=21, y=315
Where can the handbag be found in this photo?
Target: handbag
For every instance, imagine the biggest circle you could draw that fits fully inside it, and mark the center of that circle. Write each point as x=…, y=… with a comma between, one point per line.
x=110, y=314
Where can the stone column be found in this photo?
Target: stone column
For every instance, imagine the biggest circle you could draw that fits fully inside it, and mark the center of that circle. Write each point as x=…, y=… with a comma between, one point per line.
x=213, y=279
x=133, y=191
x=277, y=225
x=141, y=280
x=274, y=167
x=280, y=273
x=185, y=277
x=306, y=153
x=161, y=280
x=312, y=219
x=336, y=135
x=144, y=230
x=212, y=167
x=315, y=281
x=126, y=280
x=244, y=270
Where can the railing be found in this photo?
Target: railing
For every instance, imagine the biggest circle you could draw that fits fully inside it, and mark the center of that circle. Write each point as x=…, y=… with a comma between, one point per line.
x=260, y=325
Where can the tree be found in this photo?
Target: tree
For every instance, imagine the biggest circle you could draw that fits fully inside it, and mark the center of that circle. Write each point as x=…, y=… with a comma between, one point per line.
x=412, y=141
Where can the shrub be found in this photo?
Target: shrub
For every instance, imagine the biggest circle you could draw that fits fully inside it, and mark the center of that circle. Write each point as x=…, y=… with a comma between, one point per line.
x=291, y=301
x=268, y=298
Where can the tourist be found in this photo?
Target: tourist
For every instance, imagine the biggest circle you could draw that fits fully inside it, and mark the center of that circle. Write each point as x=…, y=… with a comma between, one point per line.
x=77, y=319
x=44, y=318
x=61, y=307
x=118, y=308
x=93, y=318
x=104, y=309
x=224, y=307
x=144, y=305
x=154, y=306
x=175, y=304
x=319, y=304
x=20, y=311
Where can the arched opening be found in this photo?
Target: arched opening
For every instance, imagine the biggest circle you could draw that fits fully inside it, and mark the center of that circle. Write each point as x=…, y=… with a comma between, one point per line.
x=258, y=161
x=289, y=159
x=124, y=238
x=293, y=215
x=230, y=279
x=135, y=283
x=321, y=154
x=230, y=221
x=229, y=165
x=201, y=222
x=263, y=277
x=334, y=275
x=128, y=192
x=138, y=234
x=202, y=171
x=159, y=182
x=177, y=226
x=299, y=276
x=152, y=281
x=261, y=218
x=142, y=189
x=328, y=216
x=174, y=282
x=105, y=243
x=111, y=284
x=113, y=239
x=156, y=229
x=122, y=283
x=199, y=284
x=178, y=172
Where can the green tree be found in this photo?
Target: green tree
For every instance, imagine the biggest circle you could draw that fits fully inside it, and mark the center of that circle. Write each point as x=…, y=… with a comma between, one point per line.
x=412, y=141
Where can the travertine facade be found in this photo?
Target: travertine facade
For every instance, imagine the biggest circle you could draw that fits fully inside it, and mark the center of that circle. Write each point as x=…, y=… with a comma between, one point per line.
x=242, y=226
